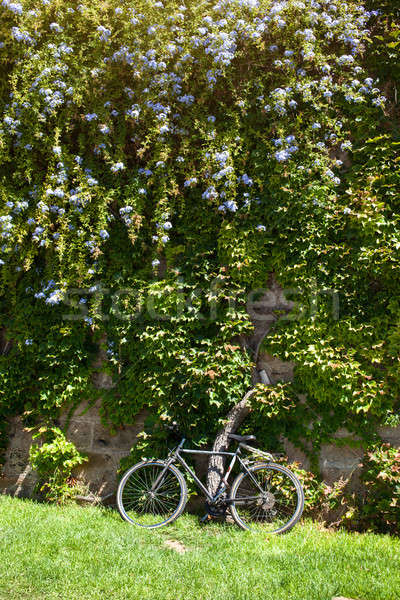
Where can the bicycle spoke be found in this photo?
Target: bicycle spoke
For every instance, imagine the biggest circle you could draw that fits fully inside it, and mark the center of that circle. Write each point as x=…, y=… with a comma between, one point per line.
x=267, y=498
x=145, y=503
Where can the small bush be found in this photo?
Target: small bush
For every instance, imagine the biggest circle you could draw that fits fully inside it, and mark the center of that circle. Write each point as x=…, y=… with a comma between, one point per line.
x=54, y=461
x=378, y=508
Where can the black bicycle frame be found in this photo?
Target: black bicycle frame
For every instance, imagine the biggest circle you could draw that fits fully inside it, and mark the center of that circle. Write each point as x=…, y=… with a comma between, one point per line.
x=175, y=455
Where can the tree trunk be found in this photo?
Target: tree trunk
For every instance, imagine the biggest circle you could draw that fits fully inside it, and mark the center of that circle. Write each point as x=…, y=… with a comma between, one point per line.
x=234, y=419
x=217, y=463
x=265, y=312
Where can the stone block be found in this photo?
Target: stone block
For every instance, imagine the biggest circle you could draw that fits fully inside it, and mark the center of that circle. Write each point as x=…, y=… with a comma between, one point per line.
x=87, y=411
x=339, y=461
x=100, y=472
x=121, y=441
x=80, y=432
x=102, y=381
x=391, y=435
x=294, y=454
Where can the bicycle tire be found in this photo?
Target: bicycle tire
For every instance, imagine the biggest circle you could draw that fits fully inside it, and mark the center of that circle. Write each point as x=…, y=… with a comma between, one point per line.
x=261, y=510
x=136, y=481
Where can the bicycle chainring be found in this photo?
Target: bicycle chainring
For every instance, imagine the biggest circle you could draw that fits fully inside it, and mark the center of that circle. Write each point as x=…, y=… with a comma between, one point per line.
x=218, y=508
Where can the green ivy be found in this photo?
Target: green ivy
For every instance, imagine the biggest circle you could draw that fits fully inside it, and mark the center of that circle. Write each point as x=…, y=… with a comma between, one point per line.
x=158, y=163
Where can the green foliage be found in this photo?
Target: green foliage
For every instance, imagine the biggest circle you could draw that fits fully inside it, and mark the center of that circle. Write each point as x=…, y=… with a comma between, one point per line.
x=158, y=163
x=374, y=506
x=378, y=509
x=185, y=354
x=54, y=460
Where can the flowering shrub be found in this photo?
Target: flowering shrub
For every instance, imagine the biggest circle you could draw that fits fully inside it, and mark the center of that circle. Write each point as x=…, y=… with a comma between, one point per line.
x=110, y=113
x=158, y=161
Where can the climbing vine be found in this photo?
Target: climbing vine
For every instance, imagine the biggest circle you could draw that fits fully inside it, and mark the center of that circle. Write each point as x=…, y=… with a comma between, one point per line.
x=158, y=161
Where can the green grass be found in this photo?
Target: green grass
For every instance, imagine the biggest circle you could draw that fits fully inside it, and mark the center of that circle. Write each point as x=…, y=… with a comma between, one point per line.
x=75, y=553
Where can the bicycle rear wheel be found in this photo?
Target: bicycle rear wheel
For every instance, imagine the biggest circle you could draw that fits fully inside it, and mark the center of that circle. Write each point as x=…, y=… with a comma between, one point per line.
x=150, y=495
x=270, y=499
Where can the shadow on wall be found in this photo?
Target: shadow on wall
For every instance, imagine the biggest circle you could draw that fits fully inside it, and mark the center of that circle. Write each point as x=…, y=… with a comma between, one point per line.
x=89, y=435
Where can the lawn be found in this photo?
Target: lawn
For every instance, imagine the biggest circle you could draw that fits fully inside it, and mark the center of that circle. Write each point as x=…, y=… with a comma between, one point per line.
x=74, y=553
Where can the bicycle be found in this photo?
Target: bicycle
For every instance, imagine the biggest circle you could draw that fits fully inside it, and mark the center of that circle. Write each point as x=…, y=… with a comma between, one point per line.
x=265, y=495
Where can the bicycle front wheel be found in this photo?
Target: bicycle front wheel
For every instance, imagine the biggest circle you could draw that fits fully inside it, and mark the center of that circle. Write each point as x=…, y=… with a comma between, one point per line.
x=151, y=495
x=268, y=498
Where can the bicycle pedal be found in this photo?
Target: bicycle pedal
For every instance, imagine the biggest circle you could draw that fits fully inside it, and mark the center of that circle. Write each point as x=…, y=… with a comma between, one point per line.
x=207, y=517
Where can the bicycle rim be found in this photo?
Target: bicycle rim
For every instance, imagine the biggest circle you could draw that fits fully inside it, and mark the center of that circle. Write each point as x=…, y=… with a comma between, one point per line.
x=270, y=500
x=140, y=504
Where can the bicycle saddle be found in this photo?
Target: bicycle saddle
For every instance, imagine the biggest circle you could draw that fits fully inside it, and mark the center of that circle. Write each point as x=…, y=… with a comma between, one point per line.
x=241, y=438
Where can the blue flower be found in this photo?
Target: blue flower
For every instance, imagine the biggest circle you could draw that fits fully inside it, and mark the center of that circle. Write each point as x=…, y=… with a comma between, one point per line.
x=187, y=99
x=119, y=166
x=247, y=180
x=104, y=33
x=21, y=36
x=14, y=7
x=56, y=27
x=345, y=59
x=346, y=146
x=155, y=262
x=261, y=228
x=231, y=205
x=282, y=155
x=55, y=297
x=210, y=193
x=104, y=234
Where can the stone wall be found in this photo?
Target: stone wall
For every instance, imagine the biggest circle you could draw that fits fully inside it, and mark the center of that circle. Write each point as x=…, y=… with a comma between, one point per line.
x=85, y=429
x=105, y=450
